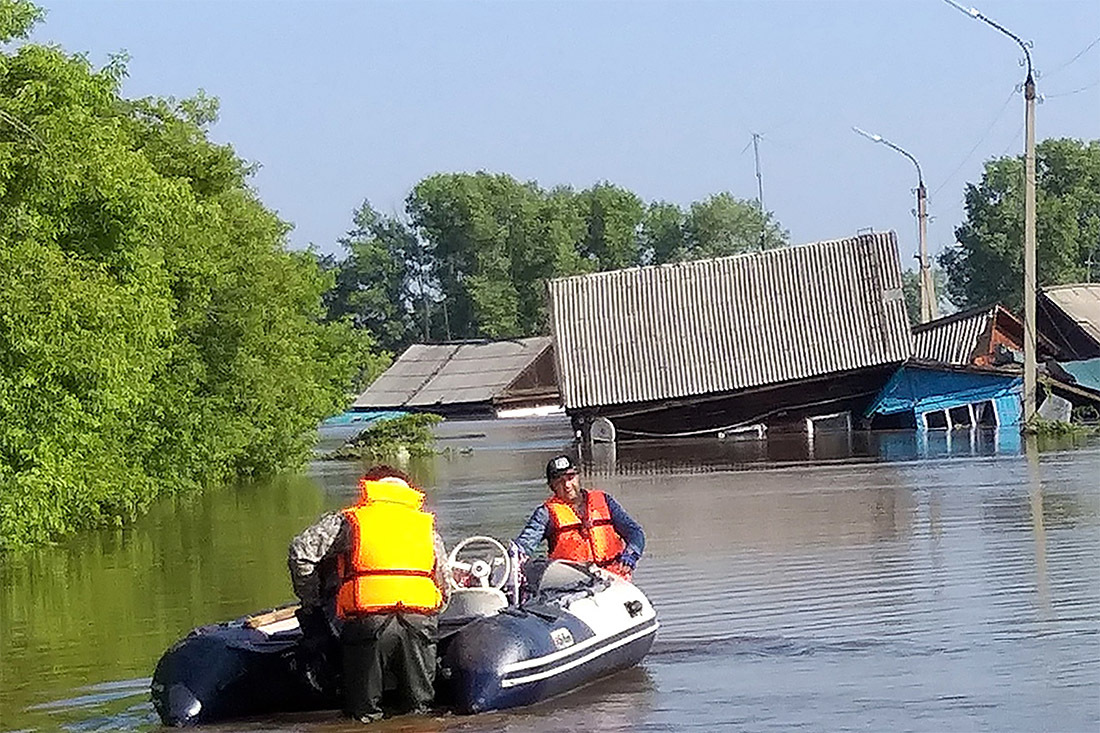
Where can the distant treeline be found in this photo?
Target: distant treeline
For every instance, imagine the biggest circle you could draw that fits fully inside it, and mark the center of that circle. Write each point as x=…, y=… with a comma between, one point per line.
x=471, y=257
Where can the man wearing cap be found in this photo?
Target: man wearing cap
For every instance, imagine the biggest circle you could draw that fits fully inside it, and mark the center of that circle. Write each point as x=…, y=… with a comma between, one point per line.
x=582, y=525
x=373, y=575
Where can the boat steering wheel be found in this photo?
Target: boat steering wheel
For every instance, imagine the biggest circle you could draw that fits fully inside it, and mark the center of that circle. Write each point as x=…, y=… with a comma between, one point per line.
x=487, y=556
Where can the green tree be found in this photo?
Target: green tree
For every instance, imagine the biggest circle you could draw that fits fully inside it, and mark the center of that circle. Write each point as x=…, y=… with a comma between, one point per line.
x=17, y=17
x=544, y=245
x=910, y=286
x=156, y=335
x=987, y=264
x=724, y=225
x=614, y=216
x=662, y=234
x=375, y=285
x=465, y=220
x=487, y=244
x=492, y=242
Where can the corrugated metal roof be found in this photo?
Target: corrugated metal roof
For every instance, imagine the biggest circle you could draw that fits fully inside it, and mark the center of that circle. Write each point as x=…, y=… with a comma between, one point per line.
x=1081, y=303
x=447, y=374
x=723, y=324
x=953, y=339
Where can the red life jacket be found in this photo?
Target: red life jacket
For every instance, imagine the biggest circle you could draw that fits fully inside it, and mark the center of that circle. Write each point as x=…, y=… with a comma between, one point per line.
x=593, y=540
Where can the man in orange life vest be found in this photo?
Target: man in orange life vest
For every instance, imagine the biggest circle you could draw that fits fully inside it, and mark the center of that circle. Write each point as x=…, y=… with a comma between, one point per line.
x=582, y=525
x=375, y=573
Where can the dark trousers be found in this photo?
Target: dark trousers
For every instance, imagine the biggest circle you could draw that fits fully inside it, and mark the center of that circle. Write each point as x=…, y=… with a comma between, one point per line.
x=388, y=651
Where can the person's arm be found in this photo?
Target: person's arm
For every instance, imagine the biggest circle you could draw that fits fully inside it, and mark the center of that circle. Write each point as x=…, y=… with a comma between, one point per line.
x=534, y=532
x=629, y=530
x=314, y=544
x=439, y=571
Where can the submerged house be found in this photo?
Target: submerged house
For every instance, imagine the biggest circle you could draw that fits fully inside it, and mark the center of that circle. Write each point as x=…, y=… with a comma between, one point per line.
x=1069, y=315
x=468, y=379
x=929, y=396
x=982, y=336
x=798, y=338
x=951, y=381
x=967, y=367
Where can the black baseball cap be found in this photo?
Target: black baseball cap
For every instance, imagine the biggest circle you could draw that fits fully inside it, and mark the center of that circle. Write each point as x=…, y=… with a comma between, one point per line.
x=559, y=466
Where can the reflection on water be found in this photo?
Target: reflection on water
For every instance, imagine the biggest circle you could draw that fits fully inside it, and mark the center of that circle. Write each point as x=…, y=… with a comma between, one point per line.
x=894, y=581
x=706, y=454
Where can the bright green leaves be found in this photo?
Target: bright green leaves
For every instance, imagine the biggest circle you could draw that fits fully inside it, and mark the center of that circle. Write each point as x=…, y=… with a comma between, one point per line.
x=613, y=215
x=155, y=333
x=17, y=17
x=987, y=266
x=379, y=285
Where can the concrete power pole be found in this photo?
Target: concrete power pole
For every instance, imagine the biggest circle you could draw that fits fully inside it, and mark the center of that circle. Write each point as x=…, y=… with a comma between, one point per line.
x=928, y=309
x=1030, y=362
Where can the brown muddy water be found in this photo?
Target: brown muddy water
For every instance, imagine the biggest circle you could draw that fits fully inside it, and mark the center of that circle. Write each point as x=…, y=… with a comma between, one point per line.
x=886, y=583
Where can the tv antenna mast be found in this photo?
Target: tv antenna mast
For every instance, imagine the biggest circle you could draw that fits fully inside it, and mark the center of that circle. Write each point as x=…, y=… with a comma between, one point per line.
x=759, y=184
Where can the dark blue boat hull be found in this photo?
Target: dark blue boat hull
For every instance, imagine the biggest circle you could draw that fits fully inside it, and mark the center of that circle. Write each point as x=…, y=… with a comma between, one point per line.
x=558, y=640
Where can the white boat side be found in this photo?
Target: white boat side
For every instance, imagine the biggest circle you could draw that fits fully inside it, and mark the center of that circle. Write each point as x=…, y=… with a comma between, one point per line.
x=613, y=626
x=565, y=666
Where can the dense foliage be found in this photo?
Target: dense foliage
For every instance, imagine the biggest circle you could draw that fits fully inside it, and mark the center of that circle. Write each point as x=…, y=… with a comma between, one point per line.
x=987, y=265
x=472, y=256
x=155, y=333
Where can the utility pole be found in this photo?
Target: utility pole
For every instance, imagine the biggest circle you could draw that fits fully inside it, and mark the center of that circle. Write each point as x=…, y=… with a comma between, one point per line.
x=1030, y=362
x=759, y=186
x=928, y=309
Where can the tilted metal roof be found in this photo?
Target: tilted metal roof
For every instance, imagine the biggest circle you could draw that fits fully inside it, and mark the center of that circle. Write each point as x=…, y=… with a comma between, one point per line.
x=446, y=374
x=1081, y=303
x=718, y=325
x=953, y=339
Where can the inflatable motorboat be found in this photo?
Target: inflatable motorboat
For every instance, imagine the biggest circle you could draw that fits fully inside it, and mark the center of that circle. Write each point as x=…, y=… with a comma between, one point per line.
x=503, y=642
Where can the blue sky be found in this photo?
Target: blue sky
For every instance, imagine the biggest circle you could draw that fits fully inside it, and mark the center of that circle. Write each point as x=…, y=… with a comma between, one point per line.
x=345, y=101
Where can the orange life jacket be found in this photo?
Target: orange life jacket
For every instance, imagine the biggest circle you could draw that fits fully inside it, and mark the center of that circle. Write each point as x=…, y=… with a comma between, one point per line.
x=593, y=540
x=389, y=564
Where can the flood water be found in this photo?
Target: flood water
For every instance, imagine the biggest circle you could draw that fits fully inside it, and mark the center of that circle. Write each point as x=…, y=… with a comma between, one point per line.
x=875, y=584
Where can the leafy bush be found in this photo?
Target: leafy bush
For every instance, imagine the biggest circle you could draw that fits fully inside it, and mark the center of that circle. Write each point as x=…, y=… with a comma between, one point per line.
x=407, y=435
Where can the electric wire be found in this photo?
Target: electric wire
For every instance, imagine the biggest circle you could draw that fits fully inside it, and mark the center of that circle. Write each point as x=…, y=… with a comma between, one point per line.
x=981, y=139
x=1014, y=141
x=1075, y=91
x=1080, y=53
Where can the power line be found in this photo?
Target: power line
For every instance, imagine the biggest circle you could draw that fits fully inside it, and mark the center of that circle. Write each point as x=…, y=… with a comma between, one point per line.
x=1075, y=91
x=1080, y=53
x=18, y=124
x=1014, y=141
x=980, y=141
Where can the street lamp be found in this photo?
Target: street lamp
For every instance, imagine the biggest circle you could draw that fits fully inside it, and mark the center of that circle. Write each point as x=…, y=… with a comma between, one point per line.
x=928, y=309
x=1029, y=214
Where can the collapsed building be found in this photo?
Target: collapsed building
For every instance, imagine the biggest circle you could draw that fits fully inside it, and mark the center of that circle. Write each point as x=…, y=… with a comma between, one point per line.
x=800, y=338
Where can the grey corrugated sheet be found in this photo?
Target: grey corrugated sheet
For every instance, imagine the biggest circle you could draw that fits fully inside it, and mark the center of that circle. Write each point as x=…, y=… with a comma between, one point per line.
x=723, y=324
x=952, y=340
x=1081, y=303
x=446, y=374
